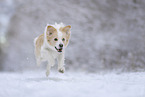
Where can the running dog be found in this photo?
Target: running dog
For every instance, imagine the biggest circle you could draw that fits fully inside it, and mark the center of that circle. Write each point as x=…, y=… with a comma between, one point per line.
x=51, y=45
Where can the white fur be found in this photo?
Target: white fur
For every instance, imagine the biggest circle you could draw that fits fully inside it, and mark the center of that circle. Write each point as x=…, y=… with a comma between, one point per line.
x=49, y=53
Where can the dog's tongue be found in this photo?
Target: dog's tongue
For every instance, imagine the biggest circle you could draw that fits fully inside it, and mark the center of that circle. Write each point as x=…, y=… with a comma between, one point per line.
x=59, y=49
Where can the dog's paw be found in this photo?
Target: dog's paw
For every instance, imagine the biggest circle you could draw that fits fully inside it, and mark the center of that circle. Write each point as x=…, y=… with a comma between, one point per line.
x=47, y=73
x=61, y=70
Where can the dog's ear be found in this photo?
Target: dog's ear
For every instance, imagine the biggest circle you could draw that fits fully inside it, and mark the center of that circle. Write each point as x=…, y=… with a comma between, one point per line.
x=50, y=30
x=66, y=29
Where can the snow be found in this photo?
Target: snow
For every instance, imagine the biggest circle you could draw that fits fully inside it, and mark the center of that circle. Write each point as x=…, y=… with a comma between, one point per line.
x=35, y=84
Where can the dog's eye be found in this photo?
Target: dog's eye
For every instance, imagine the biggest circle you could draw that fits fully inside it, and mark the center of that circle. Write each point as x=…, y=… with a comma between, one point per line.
x=50, y=33
x=55, y=39
x=63, y=39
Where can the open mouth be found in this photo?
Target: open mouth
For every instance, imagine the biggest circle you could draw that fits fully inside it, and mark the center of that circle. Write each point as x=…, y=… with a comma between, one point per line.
x=59, y=50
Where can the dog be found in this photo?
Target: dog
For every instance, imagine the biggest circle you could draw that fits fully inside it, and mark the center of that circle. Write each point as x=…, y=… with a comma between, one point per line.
x=51, y=45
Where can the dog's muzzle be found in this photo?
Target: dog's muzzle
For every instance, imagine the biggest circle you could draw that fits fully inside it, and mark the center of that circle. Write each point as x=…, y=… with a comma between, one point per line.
x=59, y=50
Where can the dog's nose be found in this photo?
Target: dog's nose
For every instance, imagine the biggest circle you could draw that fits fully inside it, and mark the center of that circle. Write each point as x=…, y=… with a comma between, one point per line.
x=60, y=45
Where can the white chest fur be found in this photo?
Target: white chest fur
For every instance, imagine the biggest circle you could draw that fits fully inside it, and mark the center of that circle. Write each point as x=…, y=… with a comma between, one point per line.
x=47, y=54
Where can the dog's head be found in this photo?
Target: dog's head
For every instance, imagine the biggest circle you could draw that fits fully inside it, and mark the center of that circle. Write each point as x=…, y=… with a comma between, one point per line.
x=58, y=37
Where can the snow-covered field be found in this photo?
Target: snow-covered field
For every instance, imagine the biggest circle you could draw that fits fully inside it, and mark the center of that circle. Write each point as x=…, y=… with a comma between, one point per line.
x=35, y=84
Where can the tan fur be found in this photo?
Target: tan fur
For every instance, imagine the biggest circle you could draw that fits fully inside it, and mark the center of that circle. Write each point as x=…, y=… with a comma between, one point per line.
x=51, y=34
x=66, y=34
x=39, y=41
x=38, y=44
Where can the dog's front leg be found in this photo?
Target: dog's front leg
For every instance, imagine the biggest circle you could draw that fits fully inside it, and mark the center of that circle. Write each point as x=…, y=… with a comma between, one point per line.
x=60, y=59
x=38, y=61
x=50, y=63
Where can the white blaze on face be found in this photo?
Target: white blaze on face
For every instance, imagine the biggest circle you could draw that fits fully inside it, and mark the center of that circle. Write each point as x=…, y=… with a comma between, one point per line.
x=59, y=39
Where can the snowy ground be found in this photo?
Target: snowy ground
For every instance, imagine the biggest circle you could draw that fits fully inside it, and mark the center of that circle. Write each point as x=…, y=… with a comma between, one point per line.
x=35, y=84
